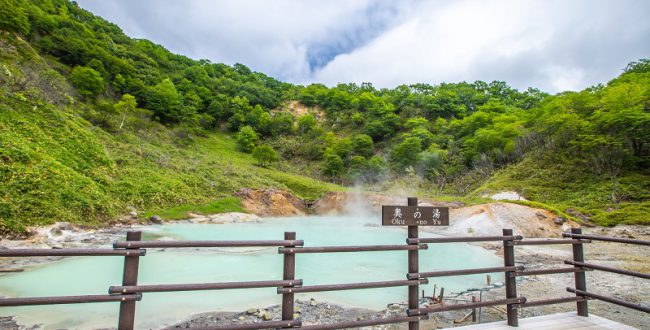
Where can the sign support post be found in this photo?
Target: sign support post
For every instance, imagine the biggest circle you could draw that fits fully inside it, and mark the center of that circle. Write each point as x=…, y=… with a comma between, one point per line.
x=413, y=267
x=412, y=216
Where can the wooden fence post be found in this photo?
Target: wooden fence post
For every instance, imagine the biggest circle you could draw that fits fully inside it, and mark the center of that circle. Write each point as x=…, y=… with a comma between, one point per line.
x=511, y=280
x=473, y=309
x=413, y=267
x=129, y=277
x=580, y=277
x=289, y=273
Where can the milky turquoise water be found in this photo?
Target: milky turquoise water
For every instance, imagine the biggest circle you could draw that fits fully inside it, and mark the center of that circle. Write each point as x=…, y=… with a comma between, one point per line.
x=93, y=275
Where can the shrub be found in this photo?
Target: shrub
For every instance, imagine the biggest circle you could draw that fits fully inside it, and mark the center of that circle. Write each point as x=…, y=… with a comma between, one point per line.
x=265, y=155
x=87, y=81
x=333, y=165
x=247, y=138
x=406, y=153
x=362, y=145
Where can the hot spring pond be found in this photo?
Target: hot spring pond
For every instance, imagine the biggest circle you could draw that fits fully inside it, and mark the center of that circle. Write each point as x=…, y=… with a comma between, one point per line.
x=93, y=275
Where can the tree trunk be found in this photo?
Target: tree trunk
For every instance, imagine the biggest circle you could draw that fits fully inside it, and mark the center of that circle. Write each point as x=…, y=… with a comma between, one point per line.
x=123, y=118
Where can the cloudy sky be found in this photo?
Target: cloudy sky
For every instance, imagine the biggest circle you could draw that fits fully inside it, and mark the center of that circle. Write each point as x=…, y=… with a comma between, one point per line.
x=549, y=44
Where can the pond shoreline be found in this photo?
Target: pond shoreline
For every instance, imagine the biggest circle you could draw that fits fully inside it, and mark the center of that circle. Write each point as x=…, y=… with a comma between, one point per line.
x=63, y=235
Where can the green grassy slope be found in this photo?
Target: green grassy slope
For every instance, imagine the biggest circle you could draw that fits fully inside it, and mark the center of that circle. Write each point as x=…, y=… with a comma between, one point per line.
x=602, y=200
x=160, y=173
x=56, y=166
x=52, y=168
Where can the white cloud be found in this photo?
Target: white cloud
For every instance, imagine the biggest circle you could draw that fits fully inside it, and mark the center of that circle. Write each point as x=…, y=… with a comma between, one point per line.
x=550, y=44
x=270, y=36
x=553, y=45
x=564, y=78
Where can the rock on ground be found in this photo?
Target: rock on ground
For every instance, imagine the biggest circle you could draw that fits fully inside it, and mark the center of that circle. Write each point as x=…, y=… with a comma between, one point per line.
x=8, y=323
x=507, y=195
x=313, y=312
x=224, y=218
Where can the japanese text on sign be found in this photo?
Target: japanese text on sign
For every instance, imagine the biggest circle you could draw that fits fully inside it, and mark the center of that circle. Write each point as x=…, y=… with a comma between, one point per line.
x=414, y=216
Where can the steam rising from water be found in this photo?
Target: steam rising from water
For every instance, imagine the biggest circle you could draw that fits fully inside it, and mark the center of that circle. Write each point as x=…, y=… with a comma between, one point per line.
x=188, y=266
x=367, y=206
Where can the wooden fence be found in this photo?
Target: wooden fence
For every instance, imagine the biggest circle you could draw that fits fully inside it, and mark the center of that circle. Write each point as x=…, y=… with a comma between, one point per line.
x=129, y=293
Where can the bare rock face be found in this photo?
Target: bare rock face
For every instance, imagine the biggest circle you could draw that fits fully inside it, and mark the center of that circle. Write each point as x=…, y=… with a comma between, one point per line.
x=489, y=219
x=331, y=203
x=366, y=203
x=271, y=202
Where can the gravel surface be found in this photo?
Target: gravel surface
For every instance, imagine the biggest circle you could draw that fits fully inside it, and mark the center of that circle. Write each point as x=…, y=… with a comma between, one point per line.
x=312, y=312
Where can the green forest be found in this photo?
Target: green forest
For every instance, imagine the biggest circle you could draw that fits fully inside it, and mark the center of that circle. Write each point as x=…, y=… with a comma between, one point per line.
x=93, y=122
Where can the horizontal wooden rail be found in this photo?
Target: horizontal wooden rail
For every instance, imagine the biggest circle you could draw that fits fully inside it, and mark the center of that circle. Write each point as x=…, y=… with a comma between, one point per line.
x=359, y=248
x=552, y=301
x=255, y=326
x=607, y=239
x=465, y=239
x=192, y=244
x=351, y=286
x=442, y=273
x=550, y=241
x=614, y=301
x=69, y=252
x=608, y=269
x=444, y=308
x=59, y=300
x=365, y=323
x=201, y=286
x=550, y=271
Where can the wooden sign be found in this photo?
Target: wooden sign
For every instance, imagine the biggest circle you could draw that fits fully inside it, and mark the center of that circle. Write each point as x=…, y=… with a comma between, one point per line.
x=414, y=216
